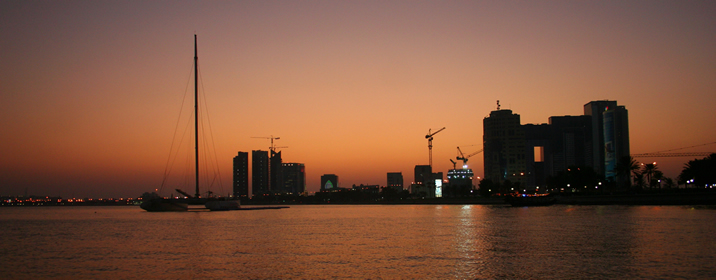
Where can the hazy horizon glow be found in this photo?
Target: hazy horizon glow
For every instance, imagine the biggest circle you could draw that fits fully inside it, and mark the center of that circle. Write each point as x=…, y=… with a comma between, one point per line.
x=91, y=90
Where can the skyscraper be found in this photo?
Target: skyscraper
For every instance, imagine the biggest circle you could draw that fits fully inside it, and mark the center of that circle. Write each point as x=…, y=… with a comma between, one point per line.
x=275, y=167
x=504, y=147
x=538, y=155
x=241, y=175
x=259, y=172
x=594, y=109
x=610, y=135
x=616, y=140
x=571, y=142
x=294, y=178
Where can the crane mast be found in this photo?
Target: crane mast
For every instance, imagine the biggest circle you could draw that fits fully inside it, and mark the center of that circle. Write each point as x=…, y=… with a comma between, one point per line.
x=429, y=136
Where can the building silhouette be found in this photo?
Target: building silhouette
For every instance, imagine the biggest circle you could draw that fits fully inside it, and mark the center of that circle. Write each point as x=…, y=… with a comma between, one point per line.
x=597, y=139
x=275, y=168
x=329, y=182
x=424, y=181
x=616, y=140
x=241, y=175
x=504, y=147
x=259, y=172
x=459, y=182
x=552, y=148
x=610, y=135
x=423, y=174
x=395, y=181
x=293, y=178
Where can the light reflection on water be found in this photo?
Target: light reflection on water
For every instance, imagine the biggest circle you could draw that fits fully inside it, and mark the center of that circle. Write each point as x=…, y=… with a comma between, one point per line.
x=366, y=241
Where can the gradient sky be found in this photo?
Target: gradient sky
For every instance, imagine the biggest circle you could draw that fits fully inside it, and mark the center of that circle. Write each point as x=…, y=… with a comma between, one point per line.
x=90, y=91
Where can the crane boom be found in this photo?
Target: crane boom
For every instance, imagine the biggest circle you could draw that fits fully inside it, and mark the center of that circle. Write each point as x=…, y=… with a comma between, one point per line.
x=692, y=154
x=272, y=147
x=464, y=157
x=431, y=134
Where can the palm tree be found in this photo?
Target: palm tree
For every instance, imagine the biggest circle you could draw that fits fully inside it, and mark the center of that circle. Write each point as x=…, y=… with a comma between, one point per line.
x=638, y=179
x=657, y=177
x=625, y=167
x=699, y=172
x=668, y=183
x=650, y=170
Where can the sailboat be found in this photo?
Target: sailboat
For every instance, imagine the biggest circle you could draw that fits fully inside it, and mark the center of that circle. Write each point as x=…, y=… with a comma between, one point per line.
x=153, y=202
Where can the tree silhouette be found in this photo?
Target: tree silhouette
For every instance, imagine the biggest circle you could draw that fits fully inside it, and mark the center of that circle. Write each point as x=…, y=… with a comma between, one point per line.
x=638, y=179
x=575, y=178
x=625, y=167
x=487, y=187
x=656, y=178
x=668, y=183
x=649, y=171
x=700, y=172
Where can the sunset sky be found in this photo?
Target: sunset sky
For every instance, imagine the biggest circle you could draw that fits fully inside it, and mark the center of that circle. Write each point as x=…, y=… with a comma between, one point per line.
x=90, y=91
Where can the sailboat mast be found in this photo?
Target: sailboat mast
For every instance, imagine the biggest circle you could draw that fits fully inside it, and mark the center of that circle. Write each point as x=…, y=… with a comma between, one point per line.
x=196, y=117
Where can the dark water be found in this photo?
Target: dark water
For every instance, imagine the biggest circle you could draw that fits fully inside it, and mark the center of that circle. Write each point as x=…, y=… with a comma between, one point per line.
x=388, y=242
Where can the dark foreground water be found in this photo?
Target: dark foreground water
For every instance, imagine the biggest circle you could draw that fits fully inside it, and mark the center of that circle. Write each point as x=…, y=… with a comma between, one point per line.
x=375, y=241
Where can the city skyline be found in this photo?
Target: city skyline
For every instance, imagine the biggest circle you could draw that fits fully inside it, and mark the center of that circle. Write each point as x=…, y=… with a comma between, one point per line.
x=91, y=90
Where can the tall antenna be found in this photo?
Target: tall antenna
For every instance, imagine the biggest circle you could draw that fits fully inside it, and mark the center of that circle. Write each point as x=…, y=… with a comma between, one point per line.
x=498, y=105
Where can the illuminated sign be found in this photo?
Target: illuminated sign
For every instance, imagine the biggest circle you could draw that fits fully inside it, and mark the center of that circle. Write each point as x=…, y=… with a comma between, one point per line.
x=438, y=188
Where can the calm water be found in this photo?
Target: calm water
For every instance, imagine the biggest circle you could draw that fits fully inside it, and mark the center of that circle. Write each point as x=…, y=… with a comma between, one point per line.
x=374, y=241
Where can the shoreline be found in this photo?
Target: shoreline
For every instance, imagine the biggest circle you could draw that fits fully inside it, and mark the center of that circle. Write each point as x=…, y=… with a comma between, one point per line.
x=643, y=198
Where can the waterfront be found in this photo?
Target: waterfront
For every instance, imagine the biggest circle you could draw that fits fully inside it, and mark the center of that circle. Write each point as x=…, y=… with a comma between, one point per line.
x=361, y=241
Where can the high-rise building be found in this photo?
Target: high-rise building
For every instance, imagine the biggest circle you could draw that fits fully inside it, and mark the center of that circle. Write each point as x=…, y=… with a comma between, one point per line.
x=259, y=172
x=610, y=135
x=294, y=178
x=329, y=182
x=241, y=175
x=552, y=148
x=616, y=140
x=504, y=147
x=538, y=155
x=571, y=142
x=594, y=109
x=275, y=168
x=395, y=181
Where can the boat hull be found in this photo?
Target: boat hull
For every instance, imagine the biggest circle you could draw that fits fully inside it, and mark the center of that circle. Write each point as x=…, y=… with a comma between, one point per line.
x=163, y=205
x=223, y=205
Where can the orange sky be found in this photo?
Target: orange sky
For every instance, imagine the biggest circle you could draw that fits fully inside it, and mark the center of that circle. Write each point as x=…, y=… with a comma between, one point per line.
x=90, y=91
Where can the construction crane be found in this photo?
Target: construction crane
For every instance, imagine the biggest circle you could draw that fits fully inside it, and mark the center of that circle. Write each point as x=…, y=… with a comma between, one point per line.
x=692, y=154
x=272, y=147
x=453, y=164
x=429, y=136
x=464, y=157
x=683, y=154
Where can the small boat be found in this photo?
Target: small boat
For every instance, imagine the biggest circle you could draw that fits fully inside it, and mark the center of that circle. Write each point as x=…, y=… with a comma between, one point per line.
x=530, y=200
x=152, y=202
